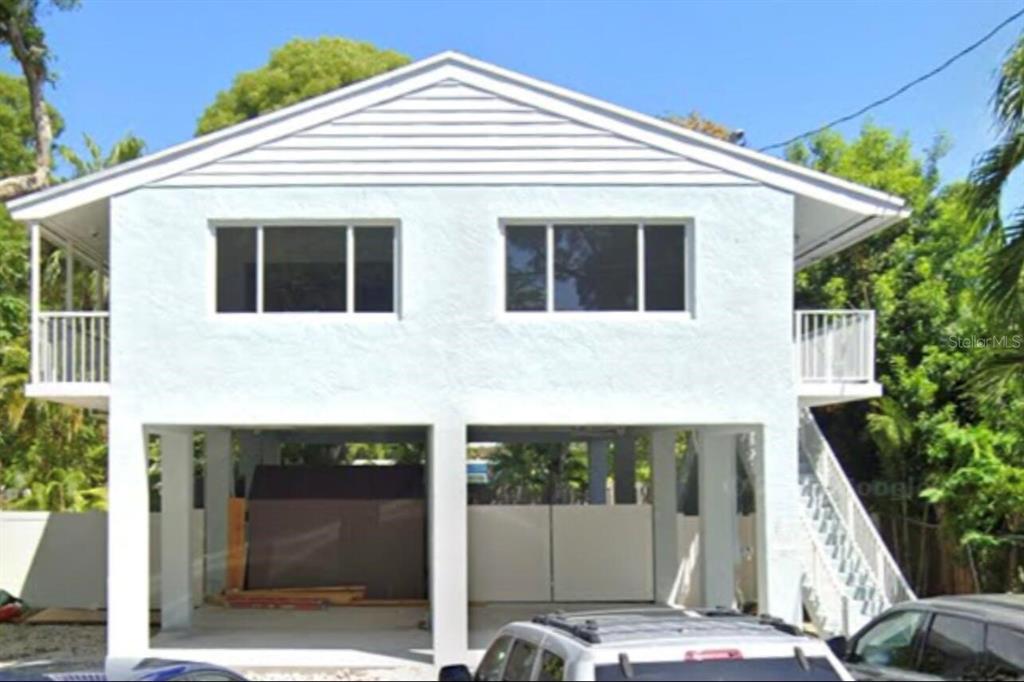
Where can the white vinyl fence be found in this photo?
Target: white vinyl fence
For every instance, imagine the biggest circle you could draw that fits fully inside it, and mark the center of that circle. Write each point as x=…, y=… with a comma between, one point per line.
x=60, y=560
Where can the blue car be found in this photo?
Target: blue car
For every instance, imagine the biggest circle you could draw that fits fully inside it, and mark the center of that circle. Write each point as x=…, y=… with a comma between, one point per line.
x=152, y=670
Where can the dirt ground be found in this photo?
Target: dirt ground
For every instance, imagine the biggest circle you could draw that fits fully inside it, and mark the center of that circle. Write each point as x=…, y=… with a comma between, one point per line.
x=24, y=643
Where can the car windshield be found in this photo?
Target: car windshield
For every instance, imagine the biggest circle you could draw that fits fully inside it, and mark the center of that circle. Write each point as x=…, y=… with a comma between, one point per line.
x=755, y=669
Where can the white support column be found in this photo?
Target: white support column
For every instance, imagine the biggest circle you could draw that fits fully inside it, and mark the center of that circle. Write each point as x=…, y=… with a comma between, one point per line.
x=597, y=471
x=625, y=469
x=778, y=524
x=665, y=515
x=217, y=488
x=35, y=254
x=69, y=277
x=270, y=449
x=719, y=528
x=449, y=573
x=249, y=456
x=176, y=486
x=127, y=538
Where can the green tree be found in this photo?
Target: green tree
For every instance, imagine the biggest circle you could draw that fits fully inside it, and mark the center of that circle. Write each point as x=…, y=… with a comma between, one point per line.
x=52, y=457
x=298, y=70
x=127, y=148
x=1003, y=287
x=923, y=278
x=21, y=32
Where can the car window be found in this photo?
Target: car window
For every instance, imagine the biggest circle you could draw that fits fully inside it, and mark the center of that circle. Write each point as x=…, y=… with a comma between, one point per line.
x=890, y=643
x=520, y=661
x=552, y=668
x=493, y=661
x=1005, y=649
x=954, y=648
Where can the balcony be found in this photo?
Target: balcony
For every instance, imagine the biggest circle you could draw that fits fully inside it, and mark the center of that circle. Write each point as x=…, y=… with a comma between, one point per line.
x=70, y=351
x=835, y=356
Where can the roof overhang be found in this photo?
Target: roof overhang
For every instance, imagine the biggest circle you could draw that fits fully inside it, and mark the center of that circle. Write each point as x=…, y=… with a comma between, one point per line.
x=831, y=213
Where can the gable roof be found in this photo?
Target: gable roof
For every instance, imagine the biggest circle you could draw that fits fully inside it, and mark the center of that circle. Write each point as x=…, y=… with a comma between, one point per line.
x=834, y=212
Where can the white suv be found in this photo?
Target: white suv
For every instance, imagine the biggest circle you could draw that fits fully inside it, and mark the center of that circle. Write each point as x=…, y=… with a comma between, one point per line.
x=652, y=644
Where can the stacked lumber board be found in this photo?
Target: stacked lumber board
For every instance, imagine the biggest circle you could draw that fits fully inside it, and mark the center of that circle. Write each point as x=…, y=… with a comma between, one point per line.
x=296, y=598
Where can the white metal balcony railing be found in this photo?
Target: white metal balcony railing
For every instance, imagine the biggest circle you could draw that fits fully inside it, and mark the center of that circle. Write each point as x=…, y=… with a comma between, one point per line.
x=835, y=345
x=72, y=347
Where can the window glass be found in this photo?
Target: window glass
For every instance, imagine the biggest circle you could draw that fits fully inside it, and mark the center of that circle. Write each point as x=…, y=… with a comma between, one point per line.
x=304, y=269
x=596, y=267
x=664, y=267
x=375, y=269
x=236, y=270
x=954, y=648
x=526, y=267
x=1005, y=654
x=520, y=661
x=494, y=659
x=552, y=668
x=890, y=643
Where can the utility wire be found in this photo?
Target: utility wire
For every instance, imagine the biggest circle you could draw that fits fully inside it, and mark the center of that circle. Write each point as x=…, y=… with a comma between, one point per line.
x=917, y=81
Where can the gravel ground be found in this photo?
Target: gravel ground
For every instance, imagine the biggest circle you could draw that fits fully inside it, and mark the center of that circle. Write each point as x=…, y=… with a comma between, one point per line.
x=24, y=643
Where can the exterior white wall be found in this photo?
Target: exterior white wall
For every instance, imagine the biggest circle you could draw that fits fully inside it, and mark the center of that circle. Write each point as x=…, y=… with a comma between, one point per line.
x=452, y=349
x=60, y=559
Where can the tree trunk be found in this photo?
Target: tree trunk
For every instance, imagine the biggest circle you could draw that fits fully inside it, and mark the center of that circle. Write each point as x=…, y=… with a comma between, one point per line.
x=33, y=64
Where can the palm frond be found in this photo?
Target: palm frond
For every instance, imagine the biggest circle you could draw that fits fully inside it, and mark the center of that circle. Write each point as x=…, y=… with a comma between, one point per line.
x=993, y=168
x=998, y=372
x=1003, y=289
x=1008, y=99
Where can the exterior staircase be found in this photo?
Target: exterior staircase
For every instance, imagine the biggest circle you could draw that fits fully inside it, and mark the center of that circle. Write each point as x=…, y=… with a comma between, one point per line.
x=849, y=575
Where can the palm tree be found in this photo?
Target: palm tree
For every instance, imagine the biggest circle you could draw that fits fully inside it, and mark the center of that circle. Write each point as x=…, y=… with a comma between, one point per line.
x=1002, y=291
x=128, y=148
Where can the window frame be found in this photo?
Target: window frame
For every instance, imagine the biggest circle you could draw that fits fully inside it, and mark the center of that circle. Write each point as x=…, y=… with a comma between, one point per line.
x=350, y=225
x=639, y=224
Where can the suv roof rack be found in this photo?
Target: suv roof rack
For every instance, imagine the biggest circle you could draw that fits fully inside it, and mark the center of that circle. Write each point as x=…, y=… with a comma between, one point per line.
x=601, y=627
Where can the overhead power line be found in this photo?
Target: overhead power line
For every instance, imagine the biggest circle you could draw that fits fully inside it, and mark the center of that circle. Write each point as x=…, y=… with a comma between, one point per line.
x=899, y=91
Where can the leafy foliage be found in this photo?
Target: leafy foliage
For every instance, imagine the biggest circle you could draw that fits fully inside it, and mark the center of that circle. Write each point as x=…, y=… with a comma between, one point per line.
x=941, y=450
x=127, y=148
x=297, y=71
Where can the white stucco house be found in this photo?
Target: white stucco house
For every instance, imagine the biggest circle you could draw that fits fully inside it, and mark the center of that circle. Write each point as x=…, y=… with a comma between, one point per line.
x=458, y=253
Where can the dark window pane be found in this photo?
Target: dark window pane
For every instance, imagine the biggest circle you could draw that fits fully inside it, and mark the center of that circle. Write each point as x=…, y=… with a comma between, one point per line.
x=1005, y=654
x=665, y=267
x=753, y=669
x=595, y=267
x=375, y=269
x=891, y=643
x=526, y=267
x=954, y=648
x=520, y=661
x=304, y=269
x=236, y=270
x=494, y=661
x=552, y=668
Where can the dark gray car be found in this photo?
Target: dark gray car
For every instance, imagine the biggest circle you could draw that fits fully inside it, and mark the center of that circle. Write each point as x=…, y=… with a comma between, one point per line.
x=968, y=637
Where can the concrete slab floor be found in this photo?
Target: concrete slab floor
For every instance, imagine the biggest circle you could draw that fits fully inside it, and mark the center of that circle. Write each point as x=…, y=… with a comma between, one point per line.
x=357, y=637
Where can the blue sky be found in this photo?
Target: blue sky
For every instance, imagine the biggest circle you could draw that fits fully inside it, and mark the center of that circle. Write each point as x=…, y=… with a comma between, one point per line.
x=772, y=68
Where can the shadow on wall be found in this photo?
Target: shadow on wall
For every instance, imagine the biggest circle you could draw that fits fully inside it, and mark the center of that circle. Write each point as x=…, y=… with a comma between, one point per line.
x=60, y=559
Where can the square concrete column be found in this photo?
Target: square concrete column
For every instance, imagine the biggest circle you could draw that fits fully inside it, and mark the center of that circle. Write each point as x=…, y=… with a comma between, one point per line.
x=176, y=485
x=270, y=449
x=779, y=530
x=625, y=470
x=597, y=471
x=448, y=536
x=250, y=456
x=665, y=518
x=217, y=488
x=719, y=528
x=128, y=537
